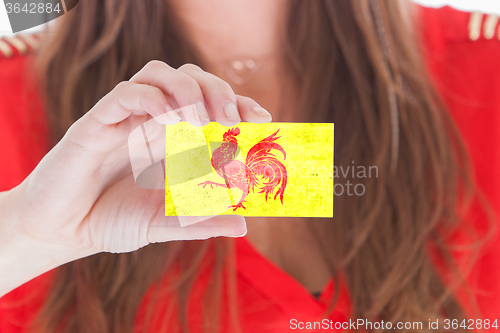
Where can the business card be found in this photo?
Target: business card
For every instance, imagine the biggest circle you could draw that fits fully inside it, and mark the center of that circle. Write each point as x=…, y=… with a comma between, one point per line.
x=272, y=169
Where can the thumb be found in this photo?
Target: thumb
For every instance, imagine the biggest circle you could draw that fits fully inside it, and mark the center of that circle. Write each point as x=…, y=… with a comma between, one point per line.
x=168, y=228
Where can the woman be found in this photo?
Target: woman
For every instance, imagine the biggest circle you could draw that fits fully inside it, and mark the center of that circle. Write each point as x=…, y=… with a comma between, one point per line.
x=389, y=255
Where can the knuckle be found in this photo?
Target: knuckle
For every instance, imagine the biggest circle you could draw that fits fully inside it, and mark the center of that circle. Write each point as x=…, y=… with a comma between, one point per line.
x=190, y=66
x=155, y=65
x=187, y=82
x=151, y=94
x=151, y=91
x=223, y=86
x=123, y=85
x=246, y=101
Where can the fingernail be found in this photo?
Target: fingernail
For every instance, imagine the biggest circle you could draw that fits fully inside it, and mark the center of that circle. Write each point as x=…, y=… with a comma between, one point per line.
x=168, y=107
x=260, y=111
x=173, y=115
x=162, y=119
x=231, y=112
x=244, y=233
x=202, y=114
x=241, y=235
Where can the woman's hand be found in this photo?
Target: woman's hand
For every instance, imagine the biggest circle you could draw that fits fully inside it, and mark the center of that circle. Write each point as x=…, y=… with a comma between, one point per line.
x=82, y=199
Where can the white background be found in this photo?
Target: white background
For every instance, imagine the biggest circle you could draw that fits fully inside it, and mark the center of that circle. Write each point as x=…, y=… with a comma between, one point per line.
x=486, y=6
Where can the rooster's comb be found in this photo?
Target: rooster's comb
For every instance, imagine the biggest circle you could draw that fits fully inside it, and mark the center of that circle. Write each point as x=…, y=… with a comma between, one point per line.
x=233, y=131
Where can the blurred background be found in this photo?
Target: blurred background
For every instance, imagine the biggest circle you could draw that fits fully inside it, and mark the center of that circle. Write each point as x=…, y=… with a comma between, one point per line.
x=485, y=6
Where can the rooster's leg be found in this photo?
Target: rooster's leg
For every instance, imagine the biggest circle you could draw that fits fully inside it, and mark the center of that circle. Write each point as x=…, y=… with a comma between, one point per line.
x=240, y=203
x=211, y=184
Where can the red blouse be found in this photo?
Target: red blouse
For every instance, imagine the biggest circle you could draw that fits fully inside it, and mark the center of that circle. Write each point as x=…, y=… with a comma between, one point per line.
x=466, y=74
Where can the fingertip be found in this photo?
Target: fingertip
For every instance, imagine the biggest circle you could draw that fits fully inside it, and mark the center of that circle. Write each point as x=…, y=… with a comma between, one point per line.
x=231, y=112
x=243, y=234
x=174, y=116
x=252, y=112
x=202, y=112
x=164, y=119
x=262, y=113
x=239, y=228
x=195, y=114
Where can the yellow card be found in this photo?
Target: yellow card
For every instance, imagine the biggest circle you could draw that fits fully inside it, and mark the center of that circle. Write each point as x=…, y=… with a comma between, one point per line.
x=273, y=169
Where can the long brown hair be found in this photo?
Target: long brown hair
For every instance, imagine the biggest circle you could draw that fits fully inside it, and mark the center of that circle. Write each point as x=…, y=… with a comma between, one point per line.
x=346, y=65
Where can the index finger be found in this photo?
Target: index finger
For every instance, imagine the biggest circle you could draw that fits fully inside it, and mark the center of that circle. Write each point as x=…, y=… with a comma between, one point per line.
x=103, y=128
x=182, y=88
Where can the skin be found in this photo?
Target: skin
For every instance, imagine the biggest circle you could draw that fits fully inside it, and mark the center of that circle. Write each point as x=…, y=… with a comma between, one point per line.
x=81, y=199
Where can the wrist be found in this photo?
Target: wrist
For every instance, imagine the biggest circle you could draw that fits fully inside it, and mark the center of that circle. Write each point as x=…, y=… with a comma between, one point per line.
x=21, y=257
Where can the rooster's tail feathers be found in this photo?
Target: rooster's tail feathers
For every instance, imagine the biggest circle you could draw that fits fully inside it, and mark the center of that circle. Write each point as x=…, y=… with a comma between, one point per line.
x=275, y=173
x=261, y=161
x=262, y=149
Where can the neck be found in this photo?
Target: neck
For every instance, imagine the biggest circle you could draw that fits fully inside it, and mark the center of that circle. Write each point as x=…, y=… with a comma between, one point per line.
x=224, y=30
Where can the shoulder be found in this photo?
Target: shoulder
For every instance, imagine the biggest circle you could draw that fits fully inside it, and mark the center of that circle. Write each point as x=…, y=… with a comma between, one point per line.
x=462, y=53
x=20, y=44
x=459, y=37
x=16, y=63
x=16, y=56
x=22, y=120
x=454, y=25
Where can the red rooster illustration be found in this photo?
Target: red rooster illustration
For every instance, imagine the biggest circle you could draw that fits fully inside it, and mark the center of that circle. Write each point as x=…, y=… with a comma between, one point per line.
x=261, y=167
